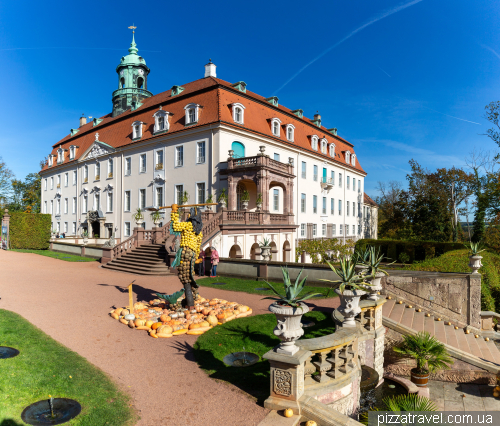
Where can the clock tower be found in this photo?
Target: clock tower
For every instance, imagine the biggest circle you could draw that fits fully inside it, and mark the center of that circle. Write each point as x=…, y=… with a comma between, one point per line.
x=132, y=81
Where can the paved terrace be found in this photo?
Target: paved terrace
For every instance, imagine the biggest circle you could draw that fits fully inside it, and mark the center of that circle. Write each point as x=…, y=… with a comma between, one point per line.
x=70, y=302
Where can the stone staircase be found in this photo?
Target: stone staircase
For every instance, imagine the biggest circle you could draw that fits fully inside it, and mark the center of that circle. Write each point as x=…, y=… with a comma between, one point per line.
x=477, y=351
x=147, y=259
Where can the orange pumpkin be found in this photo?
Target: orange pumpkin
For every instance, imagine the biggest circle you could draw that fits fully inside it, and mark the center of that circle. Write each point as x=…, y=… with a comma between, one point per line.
x=164, y=329
x=165, y=318
x=149, y=323
x=206, y=311
x=204, y=324
x=193, y=326
x=156, y=325
x=212, y=320
x=140, y=322
x=213, y=302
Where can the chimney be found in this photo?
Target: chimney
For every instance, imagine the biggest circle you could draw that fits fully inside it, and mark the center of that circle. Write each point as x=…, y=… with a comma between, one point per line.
x=83, y=120
x=210, y=69
x=317, y=116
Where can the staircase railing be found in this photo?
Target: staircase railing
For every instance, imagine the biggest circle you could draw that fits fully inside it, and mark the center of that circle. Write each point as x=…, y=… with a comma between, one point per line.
x=211, y=227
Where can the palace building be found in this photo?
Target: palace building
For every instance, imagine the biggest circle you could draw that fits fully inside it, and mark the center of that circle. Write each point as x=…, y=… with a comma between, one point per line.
x=194, y=140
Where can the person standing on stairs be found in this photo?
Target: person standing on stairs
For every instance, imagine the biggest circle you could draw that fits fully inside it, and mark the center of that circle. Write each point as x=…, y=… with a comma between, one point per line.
x=215, y=260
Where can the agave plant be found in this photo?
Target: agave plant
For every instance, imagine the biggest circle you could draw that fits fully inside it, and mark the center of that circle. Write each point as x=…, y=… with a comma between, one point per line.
x=430, y=353
x=138, y=215
x=292, y=291
x=171, y=298
x=475, y=248
x=265, y=243
x=156, y=216
x=348, y=277
x=372, y=258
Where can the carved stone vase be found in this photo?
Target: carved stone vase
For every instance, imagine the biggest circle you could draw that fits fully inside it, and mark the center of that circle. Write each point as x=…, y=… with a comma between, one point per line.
x=375, y=287
x=223, y=203
x=85, y=240
x=289, y=327
x=475, y=263
x=349, y=305
x=139, y=223
x=259, y=207
x=265, y=252
x=244, y=205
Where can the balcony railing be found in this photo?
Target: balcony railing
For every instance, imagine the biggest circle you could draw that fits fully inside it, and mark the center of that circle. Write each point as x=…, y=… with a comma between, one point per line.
x=260, y=161
x=246, y=217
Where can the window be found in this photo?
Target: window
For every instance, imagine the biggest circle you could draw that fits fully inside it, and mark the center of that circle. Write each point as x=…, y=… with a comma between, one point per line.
x=45, y=206
x=302, y=203
x=192, y=112
x=159, y=196
x=200, y=152
x=58, y=206
x=179, y=190
x=275, y=126
x=137, y=129
x=58, y=227
x=332, y=206
x=109, y=206
x=51, y=183
x=340, y=180
x=200, y=192
x=159, y=160
x=98, y=171
x=302, y=229
x=353, y=208
x=126, y=205
x=65, y=227
x=353, y=159
x=276, y=157
x=315, y=230
x=161, y=121
x=340, y=207
x=85, y=174
x=347, y=208
x=334, y=230
x=51, y=160
x=73, y=210
x=60, y=155
x=290, y=131
x=179, y=156
x=315, y=175
x=73, y=228
x=303, y=169
x=66, y=179
x=346, y=230
x=276, y=199
x=323, y=230
x=238, y=149
x=332, y=150
x=58, y=181
x=314, y=142
x=110, y=168
x=347, y=160
x=324, y=146
x=353, y=184
x=238, y=111
x=74, y=177
x=142, y=163
x=84, y=204
x=127, y=229
x=347, y=182
x=359, y=209
x=359, y=229
x=51, y=206
x=315, y=204
x=71, y=152
x=340, y=230
x=97, y=202
x=142, y=198
x=324, y=205
x=128, y=166
x=66, y=203
x=45, y=184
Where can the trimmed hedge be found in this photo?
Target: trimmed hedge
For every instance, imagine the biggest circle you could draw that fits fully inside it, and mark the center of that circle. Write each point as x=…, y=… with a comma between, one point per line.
x=416, y=250
x=30, y=231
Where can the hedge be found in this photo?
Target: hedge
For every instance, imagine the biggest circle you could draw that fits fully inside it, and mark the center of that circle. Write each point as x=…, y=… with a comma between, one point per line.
x=30, y=230
x=416, y=250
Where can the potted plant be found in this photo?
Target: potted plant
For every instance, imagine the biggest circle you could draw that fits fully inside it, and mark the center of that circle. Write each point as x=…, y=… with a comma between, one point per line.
x=374, y=273
x=265, y=249
x=210, y=199
x=184, y=198
x=54, y=232
x=289, y=308
x=259, y=201
x=245, y=199
x=138, y=216
x=474, y=258
x=351, y=287
x=156, y=217
x=222, y=198
x=85, y=236
x=430, y=354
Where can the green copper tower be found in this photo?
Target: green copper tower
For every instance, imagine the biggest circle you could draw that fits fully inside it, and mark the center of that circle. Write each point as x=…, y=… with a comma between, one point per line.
x=132, y=81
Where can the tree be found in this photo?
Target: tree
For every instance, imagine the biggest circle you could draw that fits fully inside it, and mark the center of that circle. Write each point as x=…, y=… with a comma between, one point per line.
x=6, y=177
x=392, y=220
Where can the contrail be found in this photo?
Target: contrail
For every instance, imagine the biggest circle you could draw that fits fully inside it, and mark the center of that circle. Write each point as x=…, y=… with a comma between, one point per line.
x=442, y=113
x=384, y=71
x=348, y=36
x=491, y=50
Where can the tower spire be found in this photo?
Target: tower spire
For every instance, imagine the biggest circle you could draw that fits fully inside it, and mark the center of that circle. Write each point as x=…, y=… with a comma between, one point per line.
x=133, y=47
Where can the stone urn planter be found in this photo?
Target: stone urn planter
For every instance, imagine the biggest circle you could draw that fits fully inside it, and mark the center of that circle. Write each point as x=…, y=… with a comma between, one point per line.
x=259, y=206
x=244, y=205
x=475, y=263
x=85, y=240
x=375, y=287
x=265, y=252
x=349, y=305
x=223, y=203
x=289, y=327
x=139, y=223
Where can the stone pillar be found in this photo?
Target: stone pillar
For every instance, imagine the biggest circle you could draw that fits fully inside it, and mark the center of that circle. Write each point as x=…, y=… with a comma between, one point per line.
x=231, y=183
x=101, y=227
x=474, y=301
x=287, y=380
x=290, y=196
x=378, y=342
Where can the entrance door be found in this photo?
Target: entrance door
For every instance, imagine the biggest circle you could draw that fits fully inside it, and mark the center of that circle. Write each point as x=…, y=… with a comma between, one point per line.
x=239, y=149
x=95, y=229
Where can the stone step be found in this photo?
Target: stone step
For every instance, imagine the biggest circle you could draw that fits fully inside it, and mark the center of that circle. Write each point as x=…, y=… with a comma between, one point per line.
x=495, y=353
x=120, y=269
x=485, y=349
x=418, y=321
x=148, y=250
x=397, y=312
x=136, y=269
x=463, y=344
x=440, y=330
x=451, y=336
x=387, y=308
x=407, y=318
x=142, y=258
x=429, y=325
x=474, y=348
x=128, y=262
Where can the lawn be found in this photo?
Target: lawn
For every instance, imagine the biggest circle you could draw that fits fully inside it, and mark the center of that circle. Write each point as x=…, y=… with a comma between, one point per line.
x=63, y=256
x=255, y=334
x=44, y=367
x=251, y=286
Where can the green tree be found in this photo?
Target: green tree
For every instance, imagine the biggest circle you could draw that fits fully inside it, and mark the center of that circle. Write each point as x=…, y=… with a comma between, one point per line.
x=6, y=177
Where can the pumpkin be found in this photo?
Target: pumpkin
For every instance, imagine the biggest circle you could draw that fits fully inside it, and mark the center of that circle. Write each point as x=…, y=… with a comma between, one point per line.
x=139, y=305
x=212, y=320
x=204, y=324
x=131, y=324
x=149, y=323
x=178, y=332
x=164, y=335
x=142, y=327
x=311, y=423
x=195, y=332
x=178, y=327
x=213, y=302
x=288, y=412
x=221, y=316
x=187, y=316
x=156, y=325
x=123, y=321
x=243, y=308
x=115, y=316
x=194, y=325
x=206, y=311
x=140, y=322
x=125, y=312
x=164, y=329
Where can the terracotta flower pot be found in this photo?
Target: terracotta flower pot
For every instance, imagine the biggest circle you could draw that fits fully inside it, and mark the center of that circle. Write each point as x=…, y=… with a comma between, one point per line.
x=420, y=379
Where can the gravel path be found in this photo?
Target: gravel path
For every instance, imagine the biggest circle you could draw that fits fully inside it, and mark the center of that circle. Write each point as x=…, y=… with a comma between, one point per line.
x=70, y=302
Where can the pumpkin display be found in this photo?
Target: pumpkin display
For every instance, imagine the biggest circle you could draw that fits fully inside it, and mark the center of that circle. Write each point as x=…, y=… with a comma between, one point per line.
x=164, y=329
x=156, y=325
x=212, y=320
x=311, y=423
x=288, y=412
x=149, y=323
x=139, y=322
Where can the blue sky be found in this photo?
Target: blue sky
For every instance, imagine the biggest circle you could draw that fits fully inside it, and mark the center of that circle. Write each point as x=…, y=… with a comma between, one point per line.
x=396, y=74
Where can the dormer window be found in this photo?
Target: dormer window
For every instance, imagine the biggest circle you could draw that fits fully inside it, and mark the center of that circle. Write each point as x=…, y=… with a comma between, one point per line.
x=175, y=90
x=96, y=122
x=314, y=142
x=192, y=113
x=51, y=160
x=238, y=111
x=241, y=86
x=273, y=100
x=332, y=150
x=60, y=155
x=324, y=145
x=161, y=121
x=137, y=129
x=275, y=126
x=72, y=152
x=353, y=159
x=290, y=132
x=348, y=157
x=74, y=132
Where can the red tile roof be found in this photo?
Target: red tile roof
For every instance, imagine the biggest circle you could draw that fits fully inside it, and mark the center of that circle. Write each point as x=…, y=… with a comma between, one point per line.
x=368, y=200
x=216, y=97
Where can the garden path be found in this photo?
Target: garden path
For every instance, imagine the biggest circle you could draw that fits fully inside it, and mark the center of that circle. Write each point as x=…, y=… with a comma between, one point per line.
x=70, y=302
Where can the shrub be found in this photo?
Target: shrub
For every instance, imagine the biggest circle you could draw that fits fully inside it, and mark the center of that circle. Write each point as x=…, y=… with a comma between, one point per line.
x=318, y=249
x=29, y=230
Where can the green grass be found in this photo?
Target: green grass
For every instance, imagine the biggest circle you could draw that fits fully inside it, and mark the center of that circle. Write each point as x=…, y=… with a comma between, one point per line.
x=63, y=256
x=43, y=368
x=250, y=286
x=255, y=334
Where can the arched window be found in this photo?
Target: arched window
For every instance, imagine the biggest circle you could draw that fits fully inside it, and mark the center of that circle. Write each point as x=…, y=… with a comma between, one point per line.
x=275, y=126
x=140, y=82
x=290, y=131
x=332, y=150
x=192, y=113
x=122, y=82
x=161, y=121
x=353, y=159
x=239, y=192
x=324, y=144
x=239, y=149
x=238, y=113
x=137, y=129
x=348, y=157
x=314, y=142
